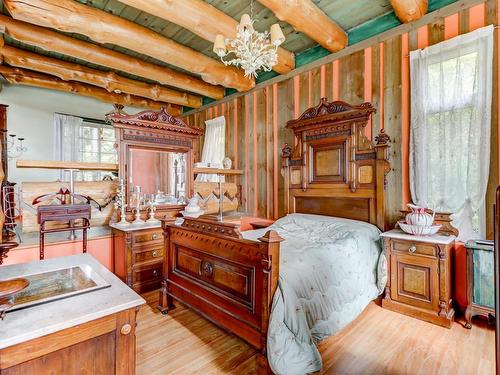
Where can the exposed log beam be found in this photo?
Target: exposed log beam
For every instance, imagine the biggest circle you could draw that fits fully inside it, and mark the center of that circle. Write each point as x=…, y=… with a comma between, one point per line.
x=25, y=77
x=203, y=20
x=56, y=42
x=409, y=10
x=110, y=81
x=103, y=27
x=306, y=17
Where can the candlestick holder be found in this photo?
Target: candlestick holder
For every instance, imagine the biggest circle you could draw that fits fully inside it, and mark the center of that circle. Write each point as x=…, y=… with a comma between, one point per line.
x=137, y=209
x=137, y=215
x=121, y=205
x=152, y=219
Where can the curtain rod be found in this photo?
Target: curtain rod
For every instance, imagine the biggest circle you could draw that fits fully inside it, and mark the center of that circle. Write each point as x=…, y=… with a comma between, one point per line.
x=85, y=119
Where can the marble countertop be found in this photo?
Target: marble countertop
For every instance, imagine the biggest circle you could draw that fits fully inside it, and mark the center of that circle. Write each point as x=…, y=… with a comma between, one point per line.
x=440, y=239
x=132, y=227
x=33, y=322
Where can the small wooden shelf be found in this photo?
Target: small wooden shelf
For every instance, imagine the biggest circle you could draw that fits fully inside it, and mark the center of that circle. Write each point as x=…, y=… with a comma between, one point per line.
x=218, y=171
x=57, y=164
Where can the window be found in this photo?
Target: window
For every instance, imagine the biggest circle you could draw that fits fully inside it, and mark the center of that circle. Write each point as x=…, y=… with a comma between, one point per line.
x=84, y=140
x=96, y=144
x=450, y=128
x=213, y=147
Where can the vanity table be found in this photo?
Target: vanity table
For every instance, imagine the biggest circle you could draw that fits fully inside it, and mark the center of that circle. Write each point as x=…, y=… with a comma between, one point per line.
x=156, y=155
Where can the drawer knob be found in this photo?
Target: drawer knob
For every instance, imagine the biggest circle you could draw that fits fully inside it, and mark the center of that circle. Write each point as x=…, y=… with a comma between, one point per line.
x=154, y=236
x=155, y=272
x=155, y=253
x=126, y=329
x=412, y=249
x=207, y=268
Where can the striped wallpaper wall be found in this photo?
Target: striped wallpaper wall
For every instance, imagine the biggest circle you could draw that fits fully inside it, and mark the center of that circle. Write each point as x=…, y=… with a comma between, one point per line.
x=379, y=73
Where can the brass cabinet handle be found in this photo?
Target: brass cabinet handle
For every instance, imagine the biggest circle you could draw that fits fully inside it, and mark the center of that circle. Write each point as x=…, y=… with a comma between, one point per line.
x=126, y=329
x=412, y=249
x=155, y=253
x=154, y=236
x=155, y=272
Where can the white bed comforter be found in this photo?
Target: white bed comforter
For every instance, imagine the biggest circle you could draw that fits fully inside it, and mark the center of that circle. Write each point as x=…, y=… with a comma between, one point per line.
x=330, y=269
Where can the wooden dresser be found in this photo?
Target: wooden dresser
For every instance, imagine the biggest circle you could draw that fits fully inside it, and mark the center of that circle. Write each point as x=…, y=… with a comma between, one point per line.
x=138, y=256
x=156, y=153
x=89, y=333
x=419, y=276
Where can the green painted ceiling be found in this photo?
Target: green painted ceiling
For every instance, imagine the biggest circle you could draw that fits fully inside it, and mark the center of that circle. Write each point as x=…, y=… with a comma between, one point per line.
x=360, y=18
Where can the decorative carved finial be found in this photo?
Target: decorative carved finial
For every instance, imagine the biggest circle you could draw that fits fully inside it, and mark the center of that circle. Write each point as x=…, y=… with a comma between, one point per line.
x=117, y=110
x=271, y=236
x=286, y=151
x=382, y=138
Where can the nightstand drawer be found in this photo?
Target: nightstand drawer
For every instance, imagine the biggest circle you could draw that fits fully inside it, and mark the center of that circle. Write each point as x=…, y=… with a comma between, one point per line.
x=145, y=254
x=147, y=273
x=142, y=238
x=414, y=248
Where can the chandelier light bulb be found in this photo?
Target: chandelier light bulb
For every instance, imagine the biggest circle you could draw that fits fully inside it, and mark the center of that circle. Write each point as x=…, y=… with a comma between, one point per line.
x=220, y=45
x=277, y=36
x=246, y=21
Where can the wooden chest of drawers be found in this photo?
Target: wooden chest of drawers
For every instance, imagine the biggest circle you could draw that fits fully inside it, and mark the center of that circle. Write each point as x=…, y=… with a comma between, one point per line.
x=138, y=257
x=419, y=276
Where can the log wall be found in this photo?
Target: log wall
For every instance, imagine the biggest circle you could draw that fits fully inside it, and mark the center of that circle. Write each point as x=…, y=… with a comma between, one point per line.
x=378, y=73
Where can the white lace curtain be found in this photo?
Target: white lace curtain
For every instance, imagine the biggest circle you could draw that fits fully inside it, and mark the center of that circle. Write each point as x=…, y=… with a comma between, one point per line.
x=66, y=133
x=451, y=88
x=213, y=147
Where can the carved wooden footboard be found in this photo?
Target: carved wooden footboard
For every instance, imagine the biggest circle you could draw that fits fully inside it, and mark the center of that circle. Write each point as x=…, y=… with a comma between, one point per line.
x=231, y=281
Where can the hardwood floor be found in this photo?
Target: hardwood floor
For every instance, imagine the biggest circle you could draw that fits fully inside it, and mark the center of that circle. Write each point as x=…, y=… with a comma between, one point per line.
x=378, y=342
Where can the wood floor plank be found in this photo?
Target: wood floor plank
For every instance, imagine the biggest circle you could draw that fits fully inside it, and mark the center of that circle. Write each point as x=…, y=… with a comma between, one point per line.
x=378, y=342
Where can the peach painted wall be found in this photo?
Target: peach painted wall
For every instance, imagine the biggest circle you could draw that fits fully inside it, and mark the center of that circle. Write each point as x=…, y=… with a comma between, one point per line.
x=100, y=248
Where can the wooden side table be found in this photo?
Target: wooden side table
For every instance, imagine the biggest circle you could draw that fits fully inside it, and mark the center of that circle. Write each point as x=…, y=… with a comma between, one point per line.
x=419, y=283
x=480, y=281
x=66, y=213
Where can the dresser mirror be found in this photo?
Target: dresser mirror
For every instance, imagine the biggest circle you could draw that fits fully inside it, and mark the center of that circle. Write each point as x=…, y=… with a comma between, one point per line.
x=160, y=174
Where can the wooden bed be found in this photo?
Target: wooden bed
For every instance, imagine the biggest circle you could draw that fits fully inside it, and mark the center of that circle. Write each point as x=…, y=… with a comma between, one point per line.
x=332, y=169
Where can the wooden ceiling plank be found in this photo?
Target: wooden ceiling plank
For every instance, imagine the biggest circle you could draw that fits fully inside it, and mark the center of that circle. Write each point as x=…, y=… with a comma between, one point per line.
x=68, y=71
x=17, y=76
x=306, y=17
x=203, y=20
x=102, y=27
x=409, y=10
x=49, y=40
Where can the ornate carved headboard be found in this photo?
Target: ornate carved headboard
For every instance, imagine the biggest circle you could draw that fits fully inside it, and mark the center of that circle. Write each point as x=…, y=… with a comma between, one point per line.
x=333, y=169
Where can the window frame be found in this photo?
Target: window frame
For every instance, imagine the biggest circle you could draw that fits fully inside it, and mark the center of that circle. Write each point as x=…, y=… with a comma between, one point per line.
x=100, y=126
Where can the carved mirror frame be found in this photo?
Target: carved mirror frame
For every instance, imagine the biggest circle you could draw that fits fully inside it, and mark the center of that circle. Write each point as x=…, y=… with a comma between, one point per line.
x=158, y=131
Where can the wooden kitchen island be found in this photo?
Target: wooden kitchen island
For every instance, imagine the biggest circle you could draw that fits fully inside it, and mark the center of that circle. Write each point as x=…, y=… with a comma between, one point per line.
x=89, y=333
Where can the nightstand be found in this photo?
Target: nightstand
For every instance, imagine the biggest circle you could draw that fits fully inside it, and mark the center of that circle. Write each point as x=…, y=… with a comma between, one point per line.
x=419, y=281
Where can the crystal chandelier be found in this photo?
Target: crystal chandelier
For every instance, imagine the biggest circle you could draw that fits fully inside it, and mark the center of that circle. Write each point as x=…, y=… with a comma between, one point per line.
x=252, y=50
